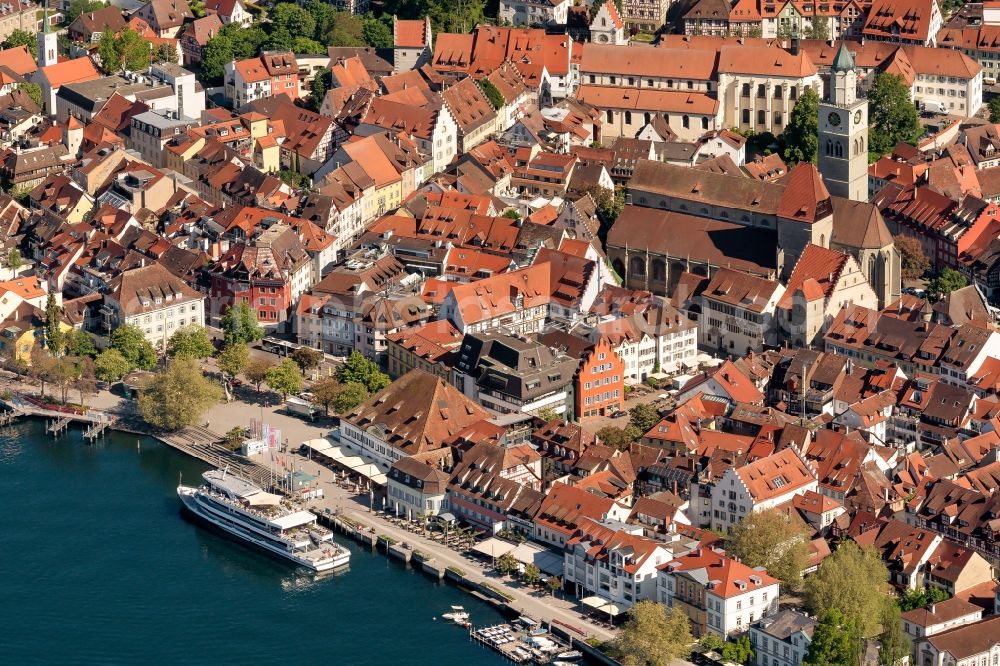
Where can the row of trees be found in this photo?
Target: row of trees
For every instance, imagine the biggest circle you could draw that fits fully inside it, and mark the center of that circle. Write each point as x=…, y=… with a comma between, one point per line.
x=892, y=119
x=308, y=29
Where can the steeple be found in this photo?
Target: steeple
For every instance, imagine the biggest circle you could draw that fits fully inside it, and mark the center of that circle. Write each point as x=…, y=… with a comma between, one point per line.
x=48, y=42
x=844, y=61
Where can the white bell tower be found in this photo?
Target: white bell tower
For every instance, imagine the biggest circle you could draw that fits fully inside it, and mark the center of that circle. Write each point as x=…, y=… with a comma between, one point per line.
x=48, y=42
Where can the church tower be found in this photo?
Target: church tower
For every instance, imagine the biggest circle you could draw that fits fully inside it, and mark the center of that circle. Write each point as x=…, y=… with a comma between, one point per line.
x=843, y=132
x=48, y=42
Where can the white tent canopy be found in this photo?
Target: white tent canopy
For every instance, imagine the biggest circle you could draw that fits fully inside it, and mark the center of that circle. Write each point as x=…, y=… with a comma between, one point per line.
x=597, y=603
x=494, y=547
x=320, y=445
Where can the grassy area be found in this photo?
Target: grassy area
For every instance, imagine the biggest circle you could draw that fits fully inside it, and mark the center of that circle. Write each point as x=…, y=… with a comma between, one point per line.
x=455, y=570
x=646, y=37
x=388, y=539
x=421, y=554
x=500, y=593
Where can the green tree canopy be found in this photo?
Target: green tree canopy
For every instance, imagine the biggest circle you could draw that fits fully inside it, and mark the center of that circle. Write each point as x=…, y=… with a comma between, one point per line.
x=945, y=282
x=285, y=377
x=55, y=340
x=894, y=644
x=19, y=38
x=892, y=118
x=292, y=18
x=654, y=635
x=911, y=256
x=853, y=582
x=492, y=93
x=507, y=564
x=346, y=29
x=239, y=324
x=77, y=7
x=921, y=597
x=14, y=259
x=43, y=365
x=619, y=438
x=133, y=345
x=319, y=87
x=995, y=110
x=80, y=344
x=531, y=575
x=643, y=417
x=349, y=396
x=738, y=651
x=165, y=53
x=233, y=358
x=111, y=366
x=800, y=137
x=835, y=642
x=359, y=370
x=377, y=33
x=217, y=52
x=178, y=396
x=191, y=341
x=771, y=540
x=307, y=358
x=126, y=50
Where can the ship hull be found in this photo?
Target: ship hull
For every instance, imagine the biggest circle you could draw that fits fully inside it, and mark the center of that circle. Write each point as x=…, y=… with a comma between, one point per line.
x=193, y=508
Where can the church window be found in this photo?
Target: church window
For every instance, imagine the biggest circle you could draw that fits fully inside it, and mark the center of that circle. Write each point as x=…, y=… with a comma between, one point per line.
x=793, y=92
x=746, y=90
x=686, y=122
x=746, y=116
x=761, y=117
x=637, y=267
x=704, y=122
x=628, y=117
x=760, y=90
x=777, y=119
x=838, y=149
x=777, y=92
x=610, y=118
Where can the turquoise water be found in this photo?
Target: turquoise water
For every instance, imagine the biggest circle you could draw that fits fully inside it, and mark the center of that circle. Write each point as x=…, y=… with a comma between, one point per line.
x=99, y=567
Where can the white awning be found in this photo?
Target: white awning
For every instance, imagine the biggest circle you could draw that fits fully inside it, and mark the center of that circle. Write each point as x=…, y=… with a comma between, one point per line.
x=321, y=445
x=613, y=609
x=597, y=603
x=379, y=479
x=494, y=547
x=351, y=461
x=293, y=519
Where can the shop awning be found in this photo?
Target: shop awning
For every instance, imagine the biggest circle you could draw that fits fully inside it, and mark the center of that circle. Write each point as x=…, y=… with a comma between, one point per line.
x=597, y=603
x=321, y=445
x=543, y=558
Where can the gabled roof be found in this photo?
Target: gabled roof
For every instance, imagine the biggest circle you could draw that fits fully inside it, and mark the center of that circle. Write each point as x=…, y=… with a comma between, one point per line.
x=776, y=475
x=816, y=273
x=70, y=71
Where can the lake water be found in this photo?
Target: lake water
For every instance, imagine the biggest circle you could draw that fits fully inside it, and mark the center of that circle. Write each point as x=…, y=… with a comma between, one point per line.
x=100, y=567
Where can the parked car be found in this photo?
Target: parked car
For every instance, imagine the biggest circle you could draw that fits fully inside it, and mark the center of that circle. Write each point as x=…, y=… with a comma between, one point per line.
x=620, y=413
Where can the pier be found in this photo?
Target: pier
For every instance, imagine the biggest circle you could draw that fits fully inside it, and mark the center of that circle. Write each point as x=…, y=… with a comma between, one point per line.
x=57, y=427
x=96, y=430
x=8, y=418
x=206, y=445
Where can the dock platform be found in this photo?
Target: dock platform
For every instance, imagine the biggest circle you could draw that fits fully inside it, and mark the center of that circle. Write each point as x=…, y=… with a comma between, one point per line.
x=56, y=428
x=519, y=643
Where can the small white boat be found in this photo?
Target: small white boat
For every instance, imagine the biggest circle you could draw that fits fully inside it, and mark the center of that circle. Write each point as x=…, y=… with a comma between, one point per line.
x=458, y=615
x=572, y=655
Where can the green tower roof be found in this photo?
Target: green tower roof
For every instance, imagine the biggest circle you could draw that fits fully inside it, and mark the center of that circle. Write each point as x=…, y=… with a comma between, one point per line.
x=844, y=61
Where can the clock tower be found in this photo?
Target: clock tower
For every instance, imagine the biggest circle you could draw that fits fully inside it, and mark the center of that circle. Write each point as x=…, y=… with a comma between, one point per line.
x=843, y=132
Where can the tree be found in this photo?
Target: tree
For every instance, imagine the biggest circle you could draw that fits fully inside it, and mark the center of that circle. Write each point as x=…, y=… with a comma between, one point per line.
x=239, y=324
x=165, y=53
x=191, y=341
x=285, y=378
x=19, y=38
x=178, y=396
x=892, y=116
x=654, y=635
x=55, y=340
x=801, y=134
x=126, y=50
x=531, y=575
x=32, y=90
x=43, y=365
x=134, y=346
x=547, y=414
x=234, y=437
x=360, y=370
x=14, y=260
x=80, y=344
x=507, y=564
x=818, y=29
x=945, y=282
x=233, y=359
x=492, y=93
x=554, y=583
x=643, y=417
x=256, y=371
x=293, y=19
x=911, y=256
x=111, y=366
x=711, y=643
x=349, y=396
x=919, y=598
x=456, y=16
x=85, y=380
x=771, y=540
x=64, y=373
x=377, y=34
x=197, y=8
x=618, y=438
x=218, y=51
x=319, y=88
x=307, y=358
x=995, y=110
x=853, y=582
x=293, y=178
x=345, y=29
x=835, y=642
x=77, y=7
x=739, y=651
x=894, y=644
x=324, y=14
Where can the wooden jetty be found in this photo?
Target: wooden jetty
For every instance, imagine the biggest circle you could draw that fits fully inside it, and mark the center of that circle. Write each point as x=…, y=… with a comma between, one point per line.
x=9, y=417
x=57, y=427
x=96, y=430
x=206, y=445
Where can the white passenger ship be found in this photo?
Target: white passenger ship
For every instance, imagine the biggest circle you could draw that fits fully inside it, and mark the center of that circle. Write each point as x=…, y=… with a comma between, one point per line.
x=265, y=520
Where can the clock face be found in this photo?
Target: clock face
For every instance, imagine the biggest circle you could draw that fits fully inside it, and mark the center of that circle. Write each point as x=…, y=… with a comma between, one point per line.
x=857, y=117
x=834, y=119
